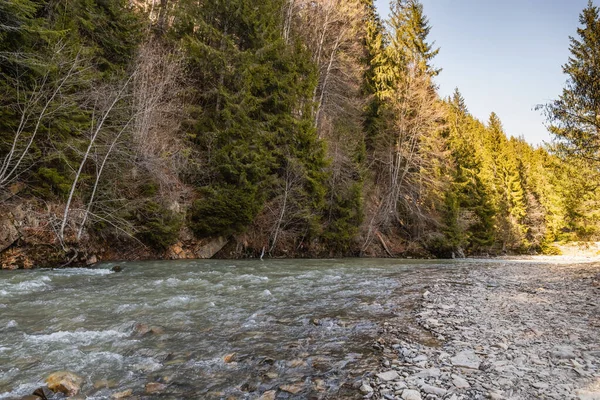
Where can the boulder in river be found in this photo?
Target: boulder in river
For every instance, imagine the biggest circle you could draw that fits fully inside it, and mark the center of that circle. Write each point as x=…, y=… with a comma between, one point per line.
x=117, y=268
x=64, y=382
x=43, y=393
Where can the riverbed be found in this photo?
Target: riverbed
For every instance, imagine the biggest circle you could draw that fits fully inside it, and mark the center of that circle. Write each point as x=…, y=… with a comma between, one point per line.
x=208, y=329
x=519, y=330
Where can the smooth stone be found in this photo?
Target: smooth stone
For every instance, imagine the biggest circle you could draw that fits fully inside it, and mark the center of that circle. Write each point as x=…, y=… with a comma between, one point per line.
x=388, y=375
x=427, y=373
x=419, y=358
x=366, y=388
x=460, y=382
x=466, y=359
x=410, y=394
x=429, y=389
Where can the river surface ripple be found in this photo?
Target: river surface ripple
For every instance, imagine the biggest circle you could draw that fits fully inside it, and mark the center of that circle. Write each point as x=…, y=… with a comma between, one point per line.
x=289, y=322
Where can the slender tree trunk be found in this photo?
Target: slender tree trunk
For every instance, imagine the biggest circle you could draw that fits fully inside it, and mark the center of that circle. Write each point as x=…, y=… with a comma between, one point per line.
x=96, y=131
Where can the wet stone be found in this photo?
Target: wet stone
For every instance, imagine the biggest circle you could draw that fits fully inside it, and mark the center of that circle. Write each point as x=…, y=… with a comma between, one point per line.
x=64, y=382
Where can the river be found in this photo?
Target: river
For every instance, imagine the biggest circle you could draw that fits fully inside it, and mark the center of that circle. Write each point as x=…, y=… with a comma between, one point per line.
x=218, y=329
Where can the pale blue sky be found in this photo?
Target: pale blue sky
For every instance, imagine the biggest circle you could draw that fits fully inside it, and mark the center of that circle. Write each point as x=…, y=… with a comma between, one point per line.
x=504, y=56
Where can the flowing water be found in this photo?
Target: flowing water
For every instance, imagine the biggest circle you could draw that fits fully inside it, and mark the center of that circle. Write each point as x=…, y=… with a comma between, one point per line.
x=308, y=323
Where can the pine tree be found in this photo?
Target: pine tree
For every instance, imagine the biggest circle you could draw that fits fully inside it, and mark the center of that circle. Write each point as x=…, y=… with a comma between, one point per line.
x=411, y=30
x=575, y=117
x=252, y=119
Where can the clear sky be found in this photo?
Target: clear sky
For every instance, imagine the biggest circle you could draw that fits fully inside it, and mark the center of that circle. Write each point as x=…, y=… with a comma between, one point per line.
x=504, y=56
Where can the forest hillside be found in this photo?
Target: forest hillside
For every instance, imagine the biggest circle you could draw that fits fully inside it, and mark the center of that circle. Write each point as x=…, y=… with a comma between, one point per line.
x=279, y=128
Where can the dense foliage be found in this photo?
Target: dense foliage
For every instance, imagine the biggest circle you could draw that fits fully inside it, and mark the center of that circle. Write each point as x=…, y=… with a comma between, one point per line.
x=297, y=127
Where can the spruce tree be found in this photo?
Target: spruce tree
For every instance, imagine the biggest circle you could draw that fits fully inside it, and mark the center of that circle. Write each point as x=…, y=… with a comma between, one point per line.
x=575, y=116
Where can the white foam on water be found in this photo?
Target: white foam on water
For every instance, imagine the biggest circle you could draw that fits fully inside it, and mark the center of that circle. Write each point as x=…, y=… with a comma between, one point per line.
x=82, y=337
x=208, y=363
x=179, y=301
x=174, y=282
x=84, y=271
x=105, y=356
x=253, y=278
x=35, y=285
x=12, y=324
x=79, y=318
x=20, y=391
x=147, y=365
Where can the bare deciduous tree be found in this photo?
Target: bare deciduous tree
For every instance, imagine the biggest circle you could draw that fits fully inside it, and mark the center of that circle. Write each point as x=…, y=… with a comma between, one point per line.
x=35, y=107
x=406, y=158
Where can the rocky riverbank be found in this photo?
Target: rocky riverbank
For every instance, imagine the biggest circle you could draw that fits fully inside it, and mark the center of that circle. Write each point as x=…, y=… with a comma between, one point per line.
x=507, y=331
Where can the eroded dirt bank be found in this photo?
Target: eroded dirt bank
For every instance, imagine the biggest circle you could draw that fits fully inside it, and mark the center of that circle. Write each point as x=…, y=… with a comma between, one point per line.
x=514, y=330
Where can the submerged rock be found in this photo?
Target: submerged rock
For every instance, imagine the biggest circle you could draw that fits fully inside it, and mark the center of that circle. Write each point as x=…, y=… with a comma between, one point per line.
x=293, y=389
x=155, y=387
x=270, y=395
x=117, y=268
x=121, y=395
x=143, y=329
x=64, y=382
x=104, y=383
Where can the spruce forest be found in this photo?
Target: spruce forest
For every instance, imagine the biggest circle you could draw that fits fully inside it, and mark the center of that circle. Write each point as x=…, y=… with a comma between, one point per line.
x=273, y=128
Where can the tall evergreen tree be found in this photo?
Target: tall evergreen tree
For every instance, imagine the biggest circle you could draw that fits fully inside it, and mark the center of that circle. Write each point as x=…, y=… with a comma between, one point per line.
x=575, y=116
